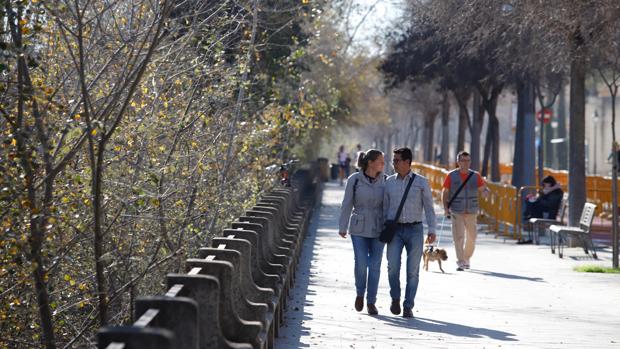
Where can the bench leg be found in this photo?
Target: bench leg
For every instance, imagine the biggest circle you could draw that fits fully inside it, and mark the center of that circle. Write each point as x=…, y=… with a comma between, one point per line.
x=584, y=243
x=589, y=240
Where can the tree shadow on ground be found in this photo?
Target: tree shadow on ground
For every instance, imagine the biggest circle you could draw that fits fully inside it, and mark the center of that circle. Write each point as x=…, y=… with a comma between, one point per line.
x=437, y=326
x=506, y=276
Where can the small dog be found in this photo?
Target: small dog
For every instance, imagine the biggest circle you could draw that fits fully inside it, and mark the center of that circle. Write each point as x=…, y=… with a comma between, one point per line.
x=434, y=254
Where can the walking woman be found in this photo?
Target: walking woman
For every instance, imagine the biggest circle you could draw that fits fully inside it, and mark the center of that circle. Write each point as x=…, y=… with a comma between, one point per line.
x=362, y=214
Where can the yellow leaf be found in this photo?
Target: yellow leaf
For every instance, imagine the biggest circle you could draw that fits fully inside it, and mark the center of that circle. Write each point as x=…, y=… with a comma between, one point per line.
x=67, y=277
x=93, y=132
x=82, y=286
x=72, y=282
x=14, y=142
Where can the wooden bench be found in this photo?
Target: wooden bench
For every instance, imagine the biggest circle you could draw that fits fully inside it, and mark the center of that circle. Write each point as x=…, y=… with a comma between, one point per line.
x=582, y=232
x=538, y=225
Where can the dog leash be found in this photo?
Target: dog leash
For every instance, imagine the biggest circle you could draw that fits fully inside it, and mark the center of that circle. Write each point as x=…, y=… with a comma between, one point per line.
x=436, y=244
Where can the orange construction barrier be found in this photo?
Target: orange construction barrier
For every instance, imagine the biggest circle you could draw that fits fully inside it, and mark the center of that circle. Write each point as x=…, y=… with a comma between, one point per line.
x=502, y=207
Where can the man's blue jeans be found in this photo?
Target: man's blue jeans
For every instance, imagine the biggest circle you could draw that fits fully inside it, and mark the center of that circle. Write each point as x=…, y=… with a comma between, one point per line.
x=368, y=254
x=412, y=239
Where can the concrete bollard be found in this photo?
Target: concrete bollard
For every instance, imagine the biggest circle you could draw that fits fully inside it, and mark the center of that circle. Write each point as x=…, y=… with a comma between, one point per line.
x=131, y=337
x=238, y=316
x=275, y=243
x=274, y=199
x=274, y=253
x=281, y=236
x=292, y=216
x=255, y=274
x=280, y=220
x=205, y=290
x=177, y=314
x=280, y=224
x=249, y=289
x=270, y=278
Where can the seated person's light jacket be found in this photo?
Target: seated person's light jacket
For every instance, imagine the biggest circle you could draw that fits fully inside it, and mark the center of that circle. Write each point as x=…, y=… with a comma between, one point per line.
x=362, y=206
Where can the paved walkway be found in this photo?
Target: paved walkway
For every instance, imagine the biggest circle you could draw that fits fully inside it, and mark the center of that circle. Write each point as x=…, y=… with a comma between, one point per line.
x=515, y=296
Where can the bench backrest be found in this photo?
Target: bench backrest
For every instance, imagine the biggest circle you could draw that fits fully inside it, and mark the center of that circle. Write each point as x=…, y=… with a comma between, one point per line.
x=587, y=216
x=563, y=208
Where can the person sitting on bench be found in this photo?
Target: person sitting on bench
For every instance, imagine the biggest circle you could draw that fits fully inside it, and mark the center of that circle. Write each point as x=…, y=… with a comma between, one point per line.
x=548, y=202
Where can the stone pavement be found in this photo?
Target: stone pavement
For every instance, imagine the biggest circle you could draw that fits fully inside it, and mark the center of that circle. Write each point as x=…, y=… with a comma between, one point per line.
x=515, y=296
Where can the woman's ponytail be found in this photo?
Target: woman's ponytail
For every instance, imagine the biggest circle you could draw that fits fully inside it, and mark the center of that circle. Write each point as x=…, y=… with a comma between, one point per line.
x=367, y=156
x=362, y=161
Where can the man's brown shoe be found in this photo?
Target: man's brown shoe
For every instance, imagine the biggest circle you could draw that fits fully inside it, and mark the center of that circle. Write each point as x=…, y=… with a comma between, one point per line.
x=395, y=307
x=407, y=313
x=372, y=310
x=359, y=303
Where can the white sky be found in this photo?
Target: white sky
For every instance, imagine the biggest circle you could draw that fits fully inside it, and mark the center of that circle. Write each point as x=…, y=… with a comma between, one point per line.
x=384, y=16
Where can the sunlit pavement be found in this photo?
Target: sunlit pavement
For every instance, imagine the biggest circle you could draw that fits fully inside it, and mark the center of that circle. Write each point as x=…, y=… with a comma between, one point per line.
x=515, y=296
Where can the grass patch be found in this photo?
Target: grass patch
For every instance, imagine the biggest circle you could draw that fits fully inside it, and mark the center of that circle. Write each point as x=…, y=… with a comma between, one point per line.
x=597, y=269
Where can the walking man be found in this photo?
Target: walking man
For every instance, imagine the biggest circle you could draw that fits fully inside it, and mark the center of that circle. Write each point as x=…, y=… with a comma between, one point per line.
x=460, y=201
x=409, y=232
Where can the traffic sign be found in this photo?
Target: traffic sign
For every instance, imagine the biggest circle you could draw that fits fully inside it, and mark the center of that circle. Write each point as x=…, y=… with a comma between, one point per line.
x=546, y=115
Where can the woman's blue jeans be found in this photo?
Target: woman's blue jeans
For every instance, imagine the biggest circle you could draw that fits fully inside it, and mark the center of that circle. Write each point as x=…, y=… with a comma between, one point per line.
x=368, y=255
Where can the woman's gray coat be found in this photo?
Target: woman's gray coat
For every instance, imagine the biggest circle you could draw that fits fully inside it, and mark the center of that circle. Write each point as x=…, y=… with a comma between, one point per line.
x=362, y=206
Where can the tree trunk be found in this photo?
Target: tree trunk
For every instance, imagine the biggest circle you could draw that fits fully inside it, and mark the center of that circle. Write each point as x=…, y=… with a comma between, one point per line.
x=430, y=139
x=491, y=148
x=460, y=139
x=614, y=183
x=540, y=156
x=388, y=145
x=39, y=209
x=461, y=97
x=98, y=239
x=525, y=138
x=445, y=130
x=549, y=153
x=576, y=155
x=517, y=159
x=561, y=132
x=488, y=143
x=494, y=128
x=478, y=118
x=493, y=137
x=416, y=137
